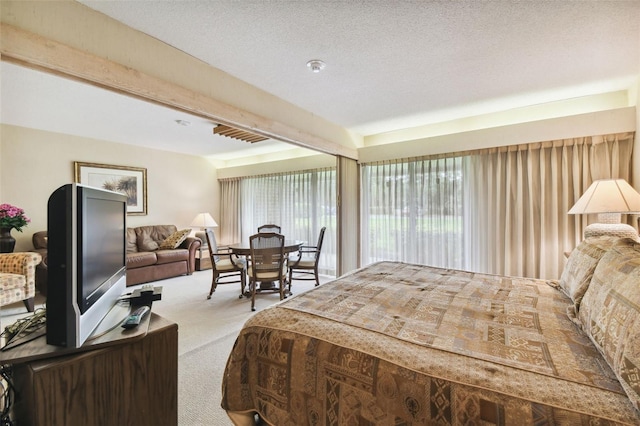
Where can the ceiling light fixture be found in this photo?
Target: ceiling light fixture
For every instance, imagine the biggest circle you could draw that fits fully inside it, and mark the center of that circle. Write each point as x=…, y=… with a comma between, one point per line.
x=183, y=122
x=316, y=65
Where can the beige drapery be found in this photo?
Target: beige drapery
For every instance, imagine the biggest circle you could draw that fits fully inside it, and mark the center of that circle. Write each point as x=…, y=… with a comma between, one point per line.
x=514, y=204
x=348, y=220
x=230, y=225
x=521, y=196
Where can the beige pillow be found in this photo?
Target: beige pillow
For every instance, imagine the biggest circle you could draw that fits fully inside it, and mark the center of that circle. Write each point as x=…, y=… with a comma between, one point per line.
x=578, y=271
x=174, y=240
x=610, y=313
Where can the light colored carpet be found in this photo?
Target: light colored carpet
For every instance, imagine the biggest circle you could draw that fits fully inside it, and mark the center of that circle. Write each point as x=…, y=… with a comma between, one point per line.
x=206, y=333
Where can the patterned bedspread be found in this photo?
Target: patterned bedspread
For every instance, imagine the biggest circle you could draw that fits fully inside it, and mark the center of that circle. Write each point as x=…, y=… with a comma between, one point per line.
x=403, y=344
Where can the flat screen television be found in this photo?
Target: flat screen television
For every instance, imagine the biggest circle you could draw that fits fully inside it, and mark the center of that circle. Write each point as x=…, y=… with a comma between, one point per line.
x=86, y=260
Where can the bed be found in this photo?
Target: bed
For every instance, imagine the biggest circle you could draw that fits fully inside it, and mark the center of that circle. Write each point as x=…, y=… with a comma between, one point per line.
x=402, y=344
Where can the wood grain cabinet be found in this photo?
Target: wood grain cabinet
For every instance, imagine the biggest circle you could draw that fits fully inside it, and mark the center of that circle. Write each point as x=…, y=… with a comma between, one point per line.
x=129, y=383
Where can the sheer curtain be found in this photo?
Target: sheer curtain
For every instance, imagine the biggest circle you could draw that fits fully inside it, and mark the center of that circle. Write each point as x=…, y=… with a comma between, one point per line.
x=501, y=210
x=300, y=202
x=413, y=211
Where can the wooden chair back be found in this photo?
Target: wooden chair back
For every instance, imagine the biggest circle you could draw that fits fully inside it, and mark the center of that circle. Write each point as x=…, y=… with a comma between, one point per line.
x=270, y=228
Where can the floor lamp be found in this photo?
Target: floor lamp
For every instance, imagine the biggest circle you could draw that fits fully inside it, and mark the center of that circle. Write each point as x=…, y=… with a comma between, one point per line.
x=609, y=199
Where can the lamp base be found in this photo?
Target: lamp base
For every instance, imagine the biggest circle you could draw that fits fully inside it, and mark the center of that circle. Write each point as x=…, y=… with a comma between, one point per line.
x=616, y=230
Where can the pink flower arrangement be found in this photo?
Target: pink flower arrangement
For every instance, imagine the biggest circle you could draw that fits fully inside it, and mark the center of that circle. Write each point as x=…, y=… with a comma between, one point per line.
x=12, y=217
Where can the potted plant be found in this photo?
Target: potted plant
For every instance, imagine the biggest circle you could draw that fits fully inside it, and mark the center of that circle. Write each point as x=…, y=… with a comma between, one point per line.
x=11, y=217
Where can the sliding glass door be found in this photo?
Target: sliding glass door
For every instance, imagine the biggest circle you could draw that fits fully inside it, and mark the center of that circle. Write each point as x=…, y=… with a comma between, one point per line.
x=299, y=202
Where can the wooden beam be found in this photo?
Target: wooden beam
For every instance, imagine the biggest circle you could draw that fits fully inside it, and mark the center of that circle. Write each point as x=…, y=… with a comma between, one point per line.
x=34, y=51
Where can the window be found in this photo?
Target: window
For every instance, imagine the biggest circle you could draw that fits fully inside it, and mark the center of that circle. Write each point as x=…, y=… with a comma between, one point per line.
x=300, y=202
x=413, y=212
x=499, y=210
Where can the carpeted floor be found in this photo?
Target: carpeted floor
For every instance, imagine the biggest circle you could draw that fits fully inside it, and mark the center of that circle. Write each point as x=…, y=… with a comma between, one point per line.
x=206, y=332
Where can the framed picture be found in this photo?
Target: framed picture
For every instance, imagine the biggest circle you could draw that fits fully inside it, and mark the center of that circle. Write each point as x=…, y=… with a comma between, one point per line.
x=130, y=181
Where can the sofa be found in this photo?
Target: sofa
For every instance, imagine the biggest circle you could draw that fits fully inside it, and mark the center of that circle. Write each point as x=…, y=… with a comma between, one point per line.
x=39, y=240
x=153, y=253
x=159, y=251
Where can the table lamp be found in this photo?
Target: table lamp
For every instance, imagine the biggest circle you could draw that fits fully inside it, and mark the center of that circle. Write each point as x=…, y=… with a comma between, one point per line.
x=609, y=199
x=203, y=221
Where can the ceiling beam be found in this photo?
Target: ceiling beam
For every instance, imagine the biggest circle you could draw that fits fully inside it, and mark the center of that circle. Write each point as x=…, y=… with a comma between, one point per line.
x=34, y=51
x=242, y=135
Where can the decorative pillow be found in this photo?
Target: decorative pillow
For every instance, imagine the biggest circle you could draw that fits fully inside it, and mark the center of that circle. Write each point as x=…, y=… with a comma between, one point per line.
x=582, y=261
x=610, y=313
x=174, y=240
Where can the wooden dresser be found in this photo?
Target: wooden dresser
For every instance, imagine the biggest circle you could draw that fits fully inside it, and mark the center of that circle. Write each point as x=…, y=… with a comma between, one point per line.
x=131, y=382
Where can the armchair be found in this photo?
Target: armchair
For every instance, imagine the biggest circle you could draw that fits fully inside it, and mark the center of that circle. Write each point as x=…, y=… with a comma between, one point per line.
x=18, y=278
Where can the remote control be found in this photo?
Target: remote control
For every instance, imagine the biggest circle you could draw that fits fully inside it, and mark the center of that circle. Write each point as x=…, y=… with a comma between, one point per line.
x=136, y=316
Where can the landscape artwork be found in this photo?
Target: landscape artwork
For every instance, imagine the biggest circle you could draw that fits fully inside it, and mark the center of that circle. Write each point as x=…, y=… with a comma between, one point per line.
x=130, y=181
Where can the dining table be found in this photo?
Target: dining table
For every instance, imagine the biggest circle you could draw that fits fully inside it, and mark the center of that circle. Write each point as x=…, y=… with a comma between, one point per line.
x=244, y=249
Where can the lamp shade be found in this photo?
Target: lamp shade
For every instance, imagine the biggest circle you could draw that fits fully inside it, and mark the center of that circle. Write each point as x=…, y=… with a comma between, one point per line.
x=203, y=221
x=608, y=196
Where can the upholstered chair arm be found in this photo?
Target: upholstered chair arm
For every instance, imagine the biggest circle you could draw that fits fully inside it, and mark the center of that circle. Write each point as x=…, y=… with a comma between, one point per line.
x=42, y=252
x=308, y=249
x=192, y=244
x=305, y=251
x=23, y=263
x=225, y=251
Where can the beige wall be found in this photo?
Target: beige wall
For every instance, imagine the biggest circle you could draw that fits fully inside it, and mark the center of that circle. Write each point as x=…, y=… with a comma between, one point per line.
x=281, y=166
x=596, y=123
x=34, y=163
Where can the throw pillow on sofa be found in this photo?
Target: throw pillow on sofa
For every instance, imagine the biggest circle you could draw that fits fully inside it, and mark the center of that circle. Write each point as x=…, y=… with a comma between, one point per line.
x=174, y=240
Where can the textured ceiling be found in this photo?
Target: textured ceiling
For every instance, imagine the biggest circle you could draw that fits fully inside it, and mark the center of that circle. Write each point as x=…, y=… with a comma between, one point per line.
x=398, y=64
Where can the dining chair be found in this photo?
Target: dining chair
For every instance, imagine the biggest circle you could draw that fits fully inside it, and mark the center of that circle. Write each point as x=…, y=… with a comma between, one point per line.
x=226, y=266
x=304, y=264
x=270, y=228
x=267, y=263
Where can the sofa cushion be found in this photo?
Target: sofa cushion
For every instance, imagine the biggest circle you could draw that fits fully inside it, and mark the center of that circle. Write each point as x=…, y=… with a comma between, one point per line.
x=610, y=313
x=132, y=240
x=579, y=269
x=148, y=235
x=174, y=240
x=140, y=259
x=145, y=243
x=168, y=256
x=12, y=288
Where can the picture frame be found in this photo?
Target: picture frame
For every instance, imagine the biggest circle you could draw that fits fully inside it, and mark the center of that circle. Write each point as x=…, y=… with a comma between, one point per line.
x=130, y=181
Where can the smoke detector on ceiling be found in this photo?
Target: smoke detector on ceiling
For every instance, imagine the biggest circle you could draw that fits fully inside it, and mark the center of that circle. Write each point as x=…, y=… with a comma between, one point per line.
x=316, y=65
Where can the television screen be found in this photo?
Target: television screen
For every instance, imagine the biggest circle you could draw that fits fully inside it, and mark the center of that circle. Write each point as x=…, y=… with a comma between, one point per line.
x=102, y=233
